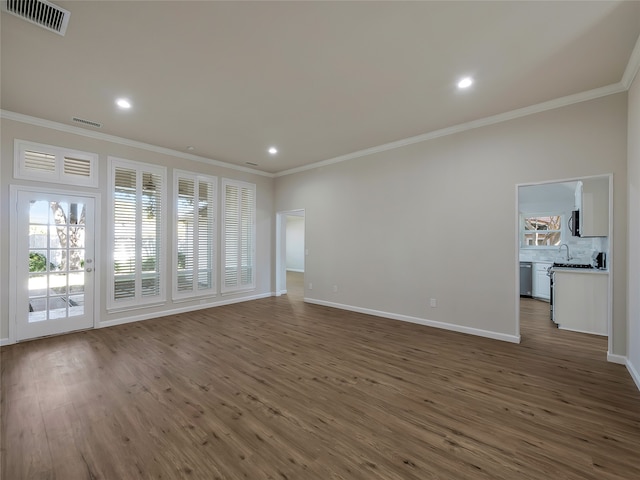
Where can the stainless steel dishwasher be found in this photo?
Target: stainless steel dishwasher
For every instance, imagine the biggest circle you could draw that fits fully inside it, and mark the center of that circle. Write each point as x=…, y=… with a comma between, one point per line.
x=526, y=276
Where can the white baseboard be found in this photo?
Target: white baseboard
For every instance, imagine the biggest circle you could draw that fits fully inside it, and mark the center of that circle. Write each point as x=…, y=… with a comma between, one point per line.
x=297, y=270
x=421, y=321
x=634, y=373
x=175, y=311
x=613, y=358
x=4, y=341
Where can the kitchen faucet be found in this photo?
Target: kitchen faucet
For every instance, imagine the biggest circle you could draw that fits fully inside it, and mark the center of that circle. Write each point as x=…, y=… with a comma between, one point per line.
x=569, y=257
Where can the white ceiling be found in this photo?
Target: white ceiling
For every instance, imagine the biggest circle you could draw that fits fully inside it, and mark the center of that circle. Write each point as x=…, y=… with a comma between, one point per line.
x=317, y=79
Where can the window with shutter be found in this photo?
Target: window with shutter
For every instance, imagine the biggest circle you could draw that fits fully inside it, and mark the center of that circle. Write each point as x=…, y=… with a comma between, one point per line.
x=238, y=235
x=34, y=161
x=195, y=235
x=137, y=212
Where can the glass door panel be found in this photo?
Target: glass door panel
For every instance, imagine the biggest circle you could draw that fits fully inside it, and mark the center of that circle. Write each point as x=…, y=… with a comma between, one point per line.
x=58, y=254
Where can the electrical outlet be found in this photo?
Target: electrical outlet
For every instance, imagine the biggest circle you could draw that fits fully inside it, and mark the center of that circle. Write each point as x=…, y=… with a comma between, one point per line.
x=433, y=303
x=335, y=289
x=310, y=286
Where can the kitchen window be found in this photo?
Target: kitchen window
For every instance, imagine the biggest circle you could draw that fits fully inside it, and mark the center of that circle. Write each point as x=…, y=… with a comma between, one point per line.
x=539, y=231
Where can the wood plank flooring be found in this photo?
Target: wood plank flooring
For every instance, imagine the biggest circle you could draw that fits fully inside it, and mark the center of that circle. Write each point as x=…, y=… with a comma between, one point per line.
x=279, y=389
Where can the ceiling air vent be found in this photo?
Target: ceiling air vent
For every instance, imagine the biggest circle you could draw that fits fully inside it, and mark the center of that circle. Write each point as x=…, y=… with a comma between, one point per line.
x=41, y=12
x=87, y=122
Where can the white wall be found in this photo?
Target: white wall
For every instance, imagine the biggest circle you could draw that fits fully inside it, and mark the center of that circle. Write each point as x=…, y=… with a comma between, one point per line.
x=295, y=243
x=633, y=178
x=437, y=219
x=264, y=215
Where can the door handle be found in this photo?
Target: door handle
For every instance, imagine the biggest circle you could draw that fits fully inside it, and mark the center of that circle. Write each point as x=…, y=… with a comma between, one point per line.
x=88, y=270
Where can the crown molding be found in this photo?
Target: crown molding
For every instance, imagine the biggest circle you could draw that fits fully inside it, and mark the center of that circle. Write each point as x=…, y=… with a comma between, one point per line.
x=463, y=127
x=632, y=67
x=622, y=86
x=40, y=122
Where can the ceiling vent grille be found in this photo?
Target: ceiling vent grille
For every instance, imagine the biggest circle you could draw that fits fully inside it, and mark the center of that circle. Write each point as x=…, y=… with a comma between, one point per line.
x=40, y=12
x=86, y=122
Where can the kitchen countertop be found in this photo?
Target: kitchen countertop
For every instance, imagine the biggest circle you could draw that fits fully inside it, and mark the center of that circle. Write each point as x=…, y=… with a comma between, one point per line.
x=580, y=270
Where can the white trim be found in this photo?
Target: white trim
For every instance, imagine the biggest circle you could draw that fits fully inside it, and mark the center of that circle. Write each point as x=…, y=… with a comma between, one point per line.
x=463, y=127
x=632, y=67
x=297, y=270
x=421, y=321
x=619, y=359
x=61, y=127
x=5, y=341
x=633, y=372
x=175, y=311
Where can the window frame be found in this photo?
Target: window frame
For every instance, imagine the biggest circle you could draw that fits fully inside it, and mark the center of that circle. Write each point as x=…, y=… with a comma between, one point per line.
x=238, y=287
x=213, y=182
x=20, y=147
x=138, y=300
x=563, y=230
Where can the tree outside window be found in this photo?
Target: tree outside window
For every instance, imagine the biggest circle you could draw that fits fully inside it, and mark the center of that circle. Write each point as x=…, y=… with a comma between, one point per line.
x=542, y=231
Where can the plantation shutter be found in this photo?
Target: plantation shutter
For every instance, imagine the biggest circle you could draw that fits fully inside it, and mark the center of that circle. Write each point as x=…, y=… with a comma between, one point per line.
x=238, y=235
x=48, y=163
x=137, y=242
x=150, y=234
x=195, y=234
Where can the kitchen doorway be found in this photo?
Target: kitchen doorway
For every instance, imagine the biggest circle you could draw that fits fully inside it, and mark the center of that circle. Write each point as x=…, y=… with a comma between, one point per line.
x=565, y=227
x=52, y=259
x=290, y=247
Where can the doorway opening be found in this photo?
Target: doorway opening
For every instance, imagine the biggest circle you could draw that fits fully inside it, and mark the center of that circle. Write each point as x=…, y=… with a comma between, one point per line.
x=290, y=250
x=563, y=282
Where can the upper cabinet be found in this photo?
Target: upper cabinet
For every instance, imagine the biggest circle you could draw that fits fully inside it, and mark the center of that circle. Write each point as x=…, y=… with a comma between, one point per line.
x=592, y=199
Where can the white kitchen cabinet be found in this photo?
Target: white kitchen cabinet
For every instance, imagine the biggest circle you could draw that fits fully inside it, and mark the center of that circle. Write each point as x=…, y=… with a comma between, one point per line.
x=592, y=200
x=580, y=300
x=541, y=285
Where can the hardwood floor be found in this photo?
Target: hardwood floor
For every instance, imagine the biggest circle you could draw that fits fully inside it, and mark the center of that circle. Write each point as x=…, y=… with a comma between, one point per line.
x=278, y=389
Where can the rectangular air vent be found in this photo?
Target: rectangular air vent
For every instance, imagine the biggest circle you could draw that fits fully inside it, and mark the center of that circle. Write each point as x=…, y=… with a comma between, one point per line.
x=87, y=122
x=40, y=12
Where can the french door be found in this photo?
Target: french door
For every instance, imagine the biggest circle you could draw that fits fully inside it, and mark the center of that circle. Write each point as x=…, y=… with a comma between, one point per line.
x=54, y=263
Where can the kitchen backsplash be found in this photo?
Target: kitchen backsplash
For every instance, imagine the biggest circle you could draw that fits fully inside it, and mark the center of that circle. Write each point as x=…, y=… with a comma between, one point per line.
x=581, y=249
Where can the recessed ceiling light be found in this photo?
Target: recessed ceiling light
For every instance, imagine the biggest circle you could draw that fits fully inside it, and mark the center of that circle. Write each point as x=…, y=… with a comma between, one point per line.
x=273, y=150
x=465, y=82
x=191, y=148
x=123, y=103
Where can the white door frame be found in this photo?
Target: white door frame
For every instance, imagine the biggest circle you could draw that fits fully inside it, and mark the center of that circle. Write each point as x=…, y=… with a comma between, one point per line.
x=610, y=257
x=281, y=248
x=13, y=247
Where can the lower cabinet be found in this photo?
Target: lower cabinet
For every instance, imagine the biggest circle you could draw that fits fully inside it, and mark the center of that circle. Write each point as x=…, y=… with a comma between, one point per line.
x=580, y=301
x=541, y=285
